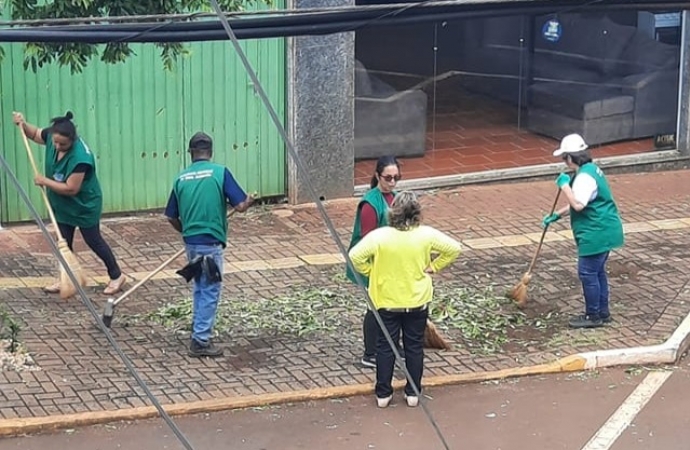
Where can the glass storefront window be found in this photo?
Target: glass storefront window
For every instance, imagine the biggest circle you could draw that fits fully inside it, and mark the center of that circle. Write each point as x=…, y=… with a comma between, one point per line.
x=499, y=92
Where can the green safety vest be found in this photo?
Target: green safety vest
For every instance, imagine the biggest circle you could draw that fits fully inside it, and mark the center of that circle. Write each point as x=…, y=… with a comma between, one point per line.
x=201, y=200
x=84, y=209
x=377, y=201
x=598, y=227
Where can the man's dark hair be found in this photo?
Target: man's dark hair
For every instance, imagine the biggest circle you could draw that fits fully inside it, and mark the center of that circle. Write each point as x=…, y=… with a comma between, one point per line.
x=201, y=144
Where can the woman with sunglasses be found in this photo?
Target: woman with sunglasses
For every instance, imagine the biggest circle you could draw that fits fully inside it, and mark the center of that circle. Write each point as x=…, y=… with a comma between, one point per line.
x=372, y=213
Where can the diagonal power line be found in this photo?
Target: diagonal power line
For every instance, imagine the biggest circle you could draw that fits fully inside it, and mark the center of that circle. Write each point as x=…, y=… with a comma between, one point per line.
x=329, y=224
x=87, y=302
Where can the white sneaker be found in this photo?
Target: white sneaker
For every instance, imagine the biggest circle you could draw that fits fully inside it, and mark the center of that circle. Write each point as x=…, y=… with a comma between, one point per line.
x=412, y=400
x=383, y=402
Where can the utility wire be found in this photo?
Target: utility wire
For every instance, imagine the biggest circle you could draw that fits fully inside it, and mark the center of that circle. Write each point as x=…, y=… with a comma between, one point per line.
x=495, y=6
x=297, y=160
x=85, y=299
x=202, y=15
x=327, y=22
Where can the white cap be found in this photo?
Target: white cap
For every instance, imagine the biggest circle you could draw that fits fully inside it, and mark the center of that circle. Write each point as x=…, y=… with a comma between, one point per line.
x=572, y=143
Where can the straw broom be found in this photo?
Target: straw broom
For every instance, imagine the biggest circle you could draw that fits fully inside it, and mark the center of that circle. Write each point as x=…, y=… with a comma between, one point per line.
x=433, y=338
x=67, y=288
x=519, y=291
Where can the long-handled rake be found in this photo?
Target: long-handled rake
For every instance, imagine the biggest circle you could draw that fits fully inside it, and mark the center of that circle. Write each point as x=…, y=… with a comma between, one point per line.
x=109, y=310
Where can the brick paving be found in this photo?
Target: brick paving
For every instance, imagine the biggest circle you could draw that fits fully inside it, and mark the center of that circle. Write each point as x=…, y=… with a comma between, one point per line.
x=80, y=372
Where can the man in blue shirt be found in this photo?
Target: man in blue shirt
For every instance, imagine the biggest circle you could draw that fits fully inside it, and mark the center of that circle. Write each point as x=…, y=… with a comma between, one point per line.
x=197, y=208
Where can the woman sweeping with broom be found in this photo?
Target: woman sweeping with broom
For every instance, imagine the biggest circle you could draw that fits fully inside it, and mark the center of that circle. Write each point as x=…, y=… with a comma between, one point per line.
x=73, y=190
x=397, y=260
x=596, y=225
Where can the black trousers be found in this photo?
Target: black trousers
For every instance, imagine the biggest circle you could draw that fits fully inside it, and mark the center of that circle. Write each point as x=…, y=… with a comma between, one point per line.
x=92, y=237
x=412, y=325
x=371, y=332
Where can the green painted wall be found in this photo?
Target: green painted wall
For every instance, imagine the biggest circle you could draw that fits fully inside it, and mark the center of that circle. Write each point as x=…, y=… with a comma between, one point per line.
x=138, y=118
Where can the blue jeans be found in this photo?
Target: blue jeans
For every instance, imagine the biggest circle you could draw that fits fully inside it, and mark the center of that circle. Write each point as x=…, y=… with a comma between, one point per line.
x=205, y=295
x=595, y=284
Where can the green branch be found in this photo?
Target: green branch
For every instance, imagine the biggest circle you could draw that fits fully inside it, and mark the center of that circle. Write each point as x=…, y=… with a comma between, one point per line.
x=78, y=56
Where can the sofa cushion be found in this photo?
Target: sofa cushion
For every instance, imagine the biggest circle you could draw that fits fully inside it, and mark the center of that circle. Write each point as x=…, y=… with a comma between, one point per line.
x=578, y=101
x=587, y=41
x=545, y=66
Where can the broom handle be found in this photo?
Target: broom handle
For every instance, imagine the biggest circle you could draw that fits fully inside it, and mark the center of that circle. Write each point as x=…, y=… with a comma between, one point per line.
x=155, y=271
x=149, y=276
x=543, y=234
x=43, y=190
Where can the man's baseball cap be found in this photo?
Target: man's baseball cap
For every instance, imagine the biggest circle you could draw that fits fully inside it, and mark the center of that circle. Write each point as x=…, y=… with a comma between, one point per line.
x=201, y=141
x=572, y=143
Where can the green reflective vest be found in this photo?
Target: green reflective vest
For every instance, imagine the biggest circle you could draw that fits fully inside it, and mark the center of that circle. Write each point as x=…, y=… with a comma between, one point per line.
x=598, y=227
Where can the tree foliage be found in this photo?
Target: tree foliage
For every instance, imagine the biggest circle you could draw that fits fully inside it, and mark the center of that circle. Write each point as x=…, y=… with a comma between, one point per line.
x=77, y=56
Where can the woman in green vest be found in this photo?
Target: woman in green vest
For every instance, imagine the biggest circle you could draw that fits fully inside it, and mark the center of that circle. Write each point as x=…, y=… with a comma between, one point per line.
x=596, y=225
x=73, y=190
x=372, y=213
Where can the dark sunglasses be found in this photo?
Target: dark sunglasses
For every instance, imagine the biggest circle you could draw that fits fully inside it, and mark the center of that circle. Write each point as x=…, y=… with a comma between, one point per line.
x=390, y=178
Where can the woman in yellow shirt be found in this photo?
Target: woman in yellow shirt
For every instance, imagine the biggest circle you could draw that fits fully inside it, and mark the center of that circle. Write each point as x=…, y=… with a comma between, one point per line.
x=397, y=260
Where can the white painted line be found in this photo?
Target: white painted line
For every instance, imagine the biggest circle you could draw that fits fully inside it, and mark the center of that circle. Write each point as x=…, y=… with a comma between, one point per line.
x=624, y=415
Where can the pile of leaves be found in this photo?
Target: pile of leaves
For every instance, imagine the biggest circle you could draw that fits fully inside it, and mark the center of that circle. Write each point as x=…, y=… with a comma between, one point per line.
x=299, y=312
x=479, y=319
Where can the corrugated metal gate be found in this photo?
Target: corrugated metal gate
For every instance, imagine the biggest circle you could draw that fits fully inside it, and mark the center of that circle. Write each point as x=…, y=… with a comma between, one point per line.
x=138, y=118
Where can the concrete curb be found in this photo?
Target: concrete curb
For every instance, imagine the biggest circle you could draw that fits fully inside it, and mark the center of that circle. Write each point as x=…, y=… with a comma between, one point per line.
x=667, y=353
x=527, y=173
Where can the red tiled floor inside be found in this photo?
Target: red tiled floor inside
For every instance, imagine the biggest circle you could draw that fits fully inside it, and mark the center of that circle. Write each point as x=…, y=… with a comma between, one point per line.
x=473, y=133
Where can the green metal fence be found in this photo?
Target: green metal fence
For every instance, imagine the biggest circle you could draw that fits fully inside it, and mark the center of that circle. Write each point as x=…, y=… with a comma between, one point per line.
x=137, y=118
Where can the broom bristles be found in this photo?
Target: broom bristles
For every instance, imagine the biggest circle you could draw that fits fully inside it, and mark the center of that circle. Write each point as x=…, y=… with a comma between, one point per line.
x=433, y=339
x=519, y=291
x=67, y=288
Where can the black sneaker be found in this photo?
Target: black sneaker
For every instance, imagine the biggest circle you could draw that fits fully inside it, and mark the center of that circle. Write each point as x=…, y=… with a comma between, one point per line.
x=606, y=318
x=197, y=350
x=369, y=361
x=586, y=321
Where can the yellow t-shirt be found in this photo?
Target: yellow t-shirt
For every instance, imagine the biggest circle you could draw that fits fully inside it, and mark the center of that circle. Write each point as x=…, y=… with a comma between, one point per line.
x=395, y=262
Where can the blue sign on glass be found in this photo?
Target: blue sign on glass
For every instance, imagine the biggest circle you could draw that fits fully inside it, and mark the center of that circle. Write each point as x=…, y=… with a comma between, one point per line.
x=552, y=30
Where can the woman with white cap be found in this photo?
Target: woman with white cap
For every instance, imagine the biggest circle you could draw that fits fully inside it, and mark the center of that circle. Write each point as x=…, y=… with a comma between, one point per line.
x=596, y=225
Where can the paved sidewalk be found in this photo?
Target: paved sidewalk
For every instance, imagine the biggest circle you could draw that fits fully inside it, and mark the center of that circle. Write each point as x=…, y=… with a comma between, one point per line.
x=282, y=252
